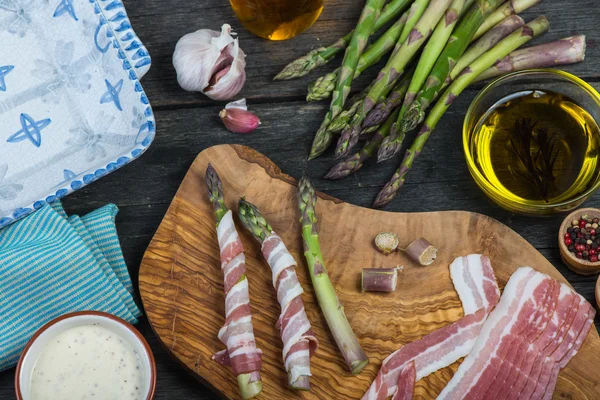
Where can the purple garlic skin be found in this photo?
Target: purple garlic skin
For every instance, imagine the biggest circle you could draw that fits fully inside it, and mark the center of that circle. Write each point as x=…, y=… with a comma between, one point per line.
x=238, y=119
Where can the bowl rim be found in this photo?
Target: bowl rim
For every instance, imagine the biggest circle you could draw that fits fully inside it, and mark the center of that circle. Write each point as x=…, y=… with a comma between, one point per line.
x=478, y=177
x=125, y=324
x=592, y=268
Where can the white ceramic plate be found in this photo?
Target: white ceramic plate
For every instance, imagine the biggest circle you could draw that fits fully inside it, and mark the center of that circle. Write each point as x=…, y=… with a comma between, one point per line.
x=72, y=108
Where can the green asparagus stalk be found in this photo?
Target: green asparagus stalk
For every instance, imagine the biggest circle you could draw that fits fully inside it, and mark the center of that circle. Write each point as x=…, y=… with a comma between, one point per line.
x=338, y=124
x=433, y=49
x=356, y=161
x=250, y=383
x=503, y=48
x=392, y=71
x=393, y=142
x=383, y=109
x=564, y=51
x=455, y=47
x=353, y=52
x=414, y=14
x=321, y=89
x=322, y=55
x=351, y=106
x=506, y=9
x=486, y=42
x=332, y=308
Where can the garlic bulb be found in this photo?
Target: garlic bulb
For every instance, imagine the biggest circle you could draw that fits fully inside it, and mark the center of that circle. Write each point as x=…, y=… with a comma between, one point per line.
x=237, y=118
x=210, y=62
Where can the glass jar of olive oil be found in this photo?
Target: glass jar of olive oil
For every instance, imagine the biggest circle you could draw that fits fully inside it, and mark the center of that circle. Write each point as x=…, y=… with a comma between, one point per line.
x=277, y=19
x=532, y=141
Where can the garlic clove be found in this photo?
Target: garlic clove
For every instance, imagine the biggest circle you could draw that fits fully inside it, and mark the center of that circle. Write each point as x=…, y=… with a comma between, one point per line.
x=229, y=83
x=210, y=62
x=237, y=118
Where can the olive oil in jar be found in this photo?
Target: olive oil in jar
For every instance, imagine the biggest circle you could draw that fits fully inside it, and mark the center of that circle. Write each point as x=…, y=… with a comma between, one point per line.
x=277, y=19
x=536, y=147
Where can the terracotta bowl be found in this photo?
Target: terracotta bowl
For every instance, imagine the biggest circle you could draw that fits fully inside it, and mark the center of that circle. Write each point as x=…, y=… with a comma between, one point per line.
x=578, y=265
x=58, y=325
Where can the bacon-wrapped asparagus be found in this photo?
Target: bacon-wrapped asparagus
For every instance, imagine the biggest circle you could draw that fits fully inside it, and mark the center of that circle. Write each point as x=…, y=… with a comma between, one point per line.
x=299, y=341
x=237, y=332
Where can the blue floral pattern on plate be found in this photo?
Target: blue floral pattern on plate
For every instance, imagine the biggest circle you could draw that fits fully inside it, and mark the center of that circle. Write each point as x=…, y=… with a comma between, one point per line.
x=72, y=108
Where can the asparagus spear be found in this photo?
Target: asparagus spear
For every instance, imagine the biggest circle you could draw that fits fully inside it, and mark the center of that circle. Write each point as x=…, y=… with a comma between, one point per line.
x=393, y=143
x=298, y=338
x=564, y=51
x=322, y=55
x=414, y=14
x=321, y=89
x=394, y=68
x=250, y=383
x=353, y=52
x=332, y=308
x=356, y=161
x=351, y=106
x=506, y=9
x=383, y=109
x=338, y=124
x=453, y=50
x=503, y=48
x=433, y=49
x=486, y=42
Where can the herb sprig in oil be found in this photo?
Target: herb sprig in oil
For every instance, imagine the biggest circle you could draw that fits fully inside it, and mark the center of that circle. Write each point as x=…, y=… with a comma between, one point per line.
x=537, y=153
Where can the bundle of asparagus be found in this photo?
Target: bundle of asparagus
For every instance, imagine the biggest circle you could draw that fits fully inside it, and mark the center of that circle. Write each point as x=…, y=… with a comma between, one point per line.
x=459, y=41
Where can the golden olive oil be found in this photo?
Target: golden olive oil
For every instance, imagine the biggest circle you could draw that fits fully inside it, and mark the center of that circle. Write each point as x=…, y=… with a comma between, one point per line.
x=536, y=147
x=277, y=19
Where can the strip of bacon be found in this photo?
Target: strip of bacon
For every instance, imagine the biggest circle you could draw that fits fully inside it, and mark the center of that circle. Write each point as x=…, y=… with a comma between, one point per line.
x=545, y=320
x=237, y=333
x=406, y=381
x=474, y=280
x=299, y=342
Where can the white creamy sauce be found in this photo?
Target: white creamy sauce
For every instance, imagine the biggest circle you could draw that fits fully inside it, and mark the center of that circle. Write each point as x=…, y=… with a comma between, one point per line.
x=87, y=362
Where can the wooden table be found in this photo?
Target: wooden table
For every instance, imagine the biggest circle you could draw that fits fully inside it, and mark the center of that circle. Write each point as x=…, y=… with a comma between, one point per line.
x=188, y=123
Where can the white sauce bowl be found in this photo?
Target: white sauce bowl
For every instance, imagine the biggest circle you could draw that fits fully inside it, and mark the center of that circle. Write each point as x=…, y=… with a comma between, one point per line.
x=45, y=334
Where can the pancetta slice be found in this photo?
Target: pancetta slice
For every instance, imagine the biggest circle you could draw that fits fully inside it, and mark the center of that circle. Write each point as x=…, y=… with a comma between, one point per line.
x=299, y=342
x=237, y=333
x=474, y=280
x=545, y=320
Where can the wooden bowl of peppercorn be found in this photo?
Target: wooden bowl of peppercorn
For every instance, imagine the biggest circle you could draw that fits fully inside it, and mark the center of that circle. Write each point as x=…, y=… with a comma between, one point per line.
x=579, y=241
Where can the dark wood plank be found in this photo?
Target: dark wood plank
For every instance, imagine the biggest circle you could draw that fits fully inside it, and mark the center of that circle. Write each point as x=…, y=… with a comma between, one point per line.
x=440, y=180
x=265, y=58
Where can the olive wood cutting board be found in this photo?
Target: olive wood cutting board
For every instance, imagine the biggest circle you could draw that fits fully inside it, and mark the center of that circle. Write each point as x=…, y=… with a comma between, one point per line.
x=182, y=288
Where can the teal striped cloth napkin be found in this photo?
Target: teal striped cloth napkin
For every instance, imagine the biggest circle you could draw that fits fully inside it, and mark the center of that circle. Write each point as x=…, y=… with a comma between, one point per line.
x=52, y=264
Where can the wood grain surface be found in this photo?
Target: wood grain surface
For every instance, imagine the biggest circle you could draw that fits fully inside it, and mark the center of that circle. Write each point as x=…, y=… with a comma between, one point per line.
x=188, y=123
x=182, y=291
